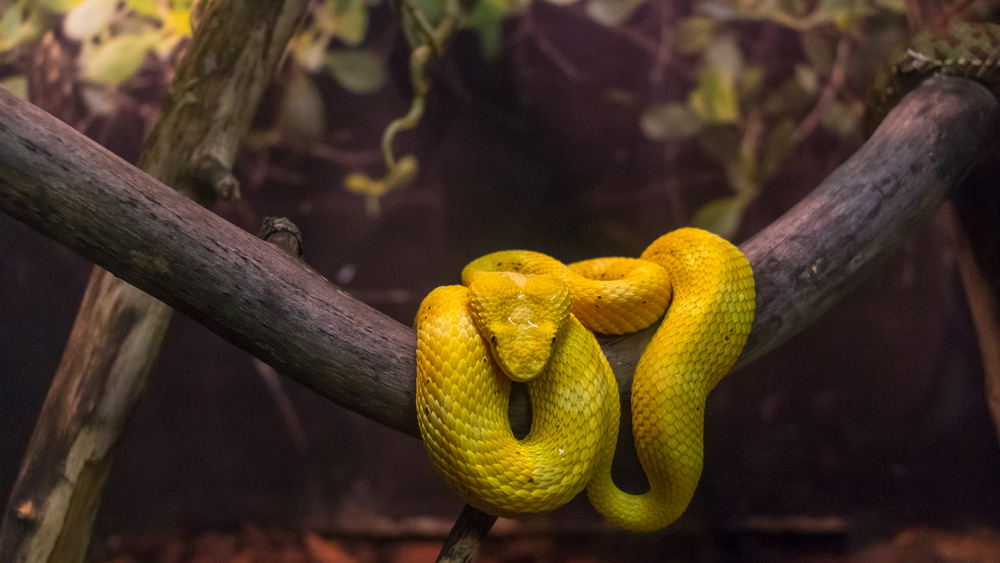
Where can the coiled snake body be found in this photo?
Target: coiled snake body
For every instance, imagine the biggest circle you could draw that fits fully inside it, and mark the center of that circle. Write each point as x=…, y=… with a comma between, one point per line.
x=525, y=316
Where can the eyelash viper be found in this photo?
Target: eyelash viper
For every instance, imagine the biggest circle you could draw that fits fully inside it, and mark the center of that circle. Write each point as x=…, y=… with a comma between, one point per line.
x=525, y=316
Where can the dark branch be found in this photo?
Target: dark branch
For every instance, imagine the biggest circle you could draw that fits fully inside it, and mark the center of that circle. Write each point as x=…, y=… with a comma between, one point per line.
x=287, y=315
x=466, y=536
x=857, y=217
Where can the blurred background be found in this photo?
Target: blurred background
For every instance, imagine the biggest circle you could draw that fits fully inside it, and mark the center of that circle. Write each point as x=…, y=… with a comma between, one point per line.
x=579, y=129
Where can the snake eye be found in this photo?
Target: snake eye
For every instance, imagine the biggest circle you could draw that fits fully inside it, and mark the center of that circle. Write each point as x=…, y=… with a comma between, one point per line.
x=493, y=339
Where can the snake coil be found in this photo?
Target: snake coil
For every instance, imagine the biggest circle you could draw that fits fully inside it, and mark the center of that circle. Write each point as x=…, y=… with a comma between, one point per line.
x=525, y=316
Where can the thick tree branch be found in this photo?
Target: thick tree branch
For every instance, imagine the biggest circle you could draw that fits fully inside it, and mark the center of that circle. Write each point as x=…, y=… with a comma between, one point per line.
x=118, y=329
x=290, y=317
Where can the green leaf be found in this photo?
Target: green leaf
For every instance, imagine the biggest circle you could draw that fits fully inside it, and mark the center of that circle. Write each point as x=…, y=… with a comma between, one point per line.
x=714, y=99
x=779, y=142
x=670, y=121
x=487, y=19
x=748, y=85
x=88, y=18
x=352, y=22
x=10, y=26
x=845, y=15
x=145, y=7
x=819, y=48
x=56, y=6
x=693, y=34
x=724, y=55
x=490, y=39
x=807, y=78
x=720, y=216
x=612, y=12
x=117, y=59
x=789, y=98
x=841, y=119
x=15, y=28
x=432, y=12
x=310, y=50
x=359, y=71
x=345, y=19
x=302, y=118
x=17, y=85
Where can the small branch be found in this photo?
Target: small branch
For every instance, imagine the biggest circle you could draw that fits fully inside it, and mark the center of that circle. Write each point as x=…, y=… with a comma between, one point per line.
x=287, y=315
x=466, y=536
x=664, y=53
x=838, y=76
x=983, y=307
x=529, y=29
x=118, y=329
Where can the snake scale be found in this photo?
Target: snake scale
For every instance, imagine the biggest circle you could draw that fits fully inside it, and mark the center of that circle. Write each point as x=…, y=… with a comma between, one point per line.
x=525, y=316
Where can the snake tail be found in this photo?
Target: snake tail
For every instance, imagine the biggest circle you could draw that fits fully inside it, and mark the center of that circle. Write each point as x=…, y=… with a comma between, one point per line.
x=462, y=402
x=700, y=338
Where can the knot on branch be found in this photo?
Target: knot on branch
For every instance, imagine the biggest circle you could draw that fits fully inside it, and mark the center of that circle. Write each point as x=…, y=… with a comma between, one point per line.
x=215, y=177
x=282, y=232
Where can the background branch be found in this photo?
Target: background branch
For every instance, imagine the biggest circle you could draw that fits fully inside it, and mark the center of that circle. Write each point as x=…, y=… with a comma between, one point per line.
x=118, y=330
x=289, y=316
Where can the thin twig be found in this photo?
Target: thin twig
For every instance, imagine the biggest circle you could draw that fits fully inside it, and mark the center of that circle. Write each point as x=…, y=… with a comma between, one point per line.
x=838, y=76
x=529, y=28
x=466, y=536
x=984, y=309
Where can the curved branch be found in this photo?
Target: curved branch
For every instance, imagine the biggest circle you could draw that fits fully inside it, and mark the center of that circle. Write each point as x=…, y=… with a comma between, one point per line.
x=286, y=314
x=857, y=217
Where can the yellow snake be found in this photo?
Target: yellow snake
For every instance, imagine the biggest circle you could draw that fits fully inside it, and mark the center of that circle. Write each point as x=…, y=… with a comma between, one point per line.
x=525, y=316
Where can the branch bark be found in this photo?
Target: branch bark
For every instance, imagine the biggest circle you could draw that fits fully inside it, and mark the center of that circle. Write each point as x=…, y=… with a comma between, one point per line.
x=287, y=315
x=118, y=329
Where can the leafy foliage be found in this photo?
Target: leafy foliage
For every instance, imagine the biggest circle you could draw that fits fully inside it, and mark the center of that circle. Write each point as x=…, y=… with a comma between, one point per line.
x=738, y=110
x=115, y=36
x=751, y=125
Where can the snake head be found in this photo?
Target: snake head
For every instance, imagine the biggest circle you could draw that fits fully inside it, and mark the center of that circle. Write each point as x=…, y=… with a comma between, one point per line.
x=521, y=316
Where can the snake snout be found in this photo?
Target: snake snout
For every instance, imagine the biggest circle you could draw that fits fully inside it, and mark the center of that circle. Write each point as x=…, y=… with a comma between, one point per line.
x=523, y=348
x=521, y=316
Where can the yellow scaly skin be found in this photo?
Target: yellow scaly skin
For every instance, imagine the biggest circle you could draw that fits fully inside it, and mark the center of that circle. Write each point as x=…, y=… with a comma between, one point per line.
x=462, y=400
x=462, y=390
x=701, y=336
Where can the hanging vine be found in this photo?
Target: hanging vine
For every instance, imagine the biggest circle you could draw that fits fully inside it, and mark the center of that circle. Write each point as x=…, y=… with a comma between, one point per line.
x=427, y=42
